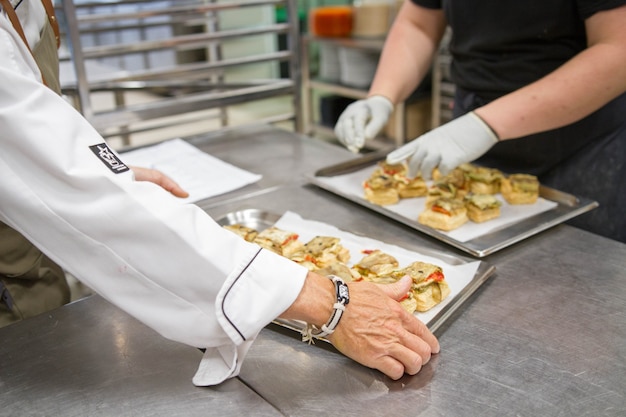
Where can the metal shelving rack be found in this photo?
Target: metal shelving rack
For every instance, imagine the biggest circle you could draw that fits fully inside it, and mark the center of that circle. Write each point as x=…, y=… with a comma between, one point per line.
x=182, y=88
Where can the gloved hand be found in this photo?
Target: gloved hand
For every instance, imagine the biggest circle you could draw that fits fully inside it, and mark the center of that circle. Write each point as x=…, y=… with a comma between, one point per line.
x=448, y=146
x=362, y=120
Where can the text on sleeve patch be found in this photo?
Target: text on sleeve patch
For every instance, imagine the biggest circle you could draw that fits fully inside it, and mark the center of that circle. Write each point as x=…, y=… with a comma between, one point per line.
x=108, y=158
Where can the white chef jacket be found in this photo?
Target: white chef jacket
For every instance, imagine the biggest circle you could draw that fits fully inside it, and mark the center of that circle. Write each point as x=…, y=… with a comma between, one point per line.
x=169, y=265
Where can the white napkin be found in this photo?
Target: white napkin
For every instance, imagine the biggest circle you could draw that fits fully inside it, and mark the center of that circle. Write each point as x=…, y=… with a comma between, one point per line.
x=197, y=172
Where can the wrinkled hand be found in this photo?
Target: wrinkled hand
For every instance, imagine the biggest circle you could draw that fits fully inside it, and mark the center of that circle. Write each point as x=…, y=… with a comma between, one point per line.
x=377, y=332
x=459, y=141
x=362, y=120
x=159, y=178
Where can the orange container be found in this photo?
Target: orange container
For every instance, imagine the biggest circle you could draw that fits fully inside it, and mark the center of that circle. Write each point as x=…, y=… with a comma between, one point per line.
x=331, y=21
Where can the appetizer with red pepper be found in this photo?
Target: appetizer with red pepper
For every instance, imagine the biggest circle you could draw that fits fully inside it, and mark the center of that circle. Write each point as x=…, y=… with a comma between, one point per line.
x=444, y=214
x=429, y=286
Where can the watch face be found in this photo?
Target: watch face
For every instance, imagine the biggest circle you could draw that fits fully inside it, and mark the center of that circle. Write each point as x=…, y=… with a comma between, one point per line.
x=342, y=293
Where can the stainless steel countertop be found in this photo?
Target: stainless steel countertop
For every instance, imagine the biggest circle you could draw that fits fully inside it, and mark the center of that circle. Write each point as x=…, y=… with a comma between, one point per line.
x=279, y=155
x=545, y=336
x=89, y=358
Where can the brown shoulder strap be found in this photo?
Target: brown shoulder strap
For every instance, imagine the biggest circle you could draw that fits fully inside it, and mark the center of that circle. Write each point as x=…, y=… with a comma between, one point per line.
x=52, y=18
x=15, y=21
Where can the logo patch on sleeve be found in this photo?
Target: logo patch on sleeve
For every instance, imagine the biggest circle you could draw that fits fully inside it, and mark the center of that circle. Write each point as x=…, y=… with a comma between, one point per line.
x=108, y=158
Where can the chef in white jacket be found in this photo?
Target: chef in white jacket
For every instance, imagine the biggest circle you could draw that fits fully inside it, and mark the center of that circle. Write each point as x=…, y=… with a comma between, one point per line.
x=169, y=265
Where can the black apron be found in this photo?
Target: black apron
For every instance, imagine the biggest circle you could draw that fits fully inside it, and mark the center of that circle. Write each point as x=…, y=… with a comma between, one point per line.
x=585, y=159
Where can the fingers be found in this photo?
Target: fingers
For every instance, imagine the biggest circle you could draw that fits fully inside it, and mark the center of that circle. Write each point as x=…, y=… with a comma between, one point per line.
x=376, y=331
x=426, y=163
x=408, y=356
x=423, y=334
x=362, y=120
x=423, y=155
x=402, y=153
x=172, y=186
x=417, y=336
x=341, y=129
x=414, y=152
x=391, y=367
x=374, y=126
x=447, y=165
x=347, y=132
x=415, y=163
x=414, y=334
x=415, y=349
x=358, y=128
x=398, y=289
x=160, y=179
x=412, y=358
x=167, y=184
x=350, y=128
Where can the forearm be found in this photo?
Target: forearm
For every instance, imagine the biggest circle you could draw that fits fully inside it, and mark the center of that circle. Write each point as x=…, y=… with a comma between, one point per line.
x=169, y=265
x=565, y=96
x=314, y=303
x=576, y=89
x=408, y=52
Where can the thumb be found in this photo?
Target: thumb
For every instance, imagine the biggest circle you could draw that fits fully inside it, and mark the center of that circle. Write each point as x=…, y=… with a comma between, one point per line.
x=399, y=155
x=403, y=153
x=398, y=289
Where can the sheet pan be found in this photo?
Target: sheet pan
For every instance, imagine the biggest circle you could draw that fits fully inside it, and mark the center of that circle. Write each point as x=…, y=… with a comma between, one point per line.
x=260, y=220
x=566, y=207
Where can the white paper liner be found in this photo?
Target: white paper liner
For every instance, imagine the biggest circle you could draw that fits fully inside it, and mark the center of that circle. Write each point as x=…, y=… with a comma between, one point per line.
x=352, y=184
x=457, y=276
x=197, y=172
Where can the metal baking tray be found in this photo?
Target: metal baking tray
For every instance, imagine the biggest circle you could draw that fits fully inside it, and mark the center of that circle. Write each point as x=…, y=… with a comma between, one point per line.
x=260, y=220
x=568, y=206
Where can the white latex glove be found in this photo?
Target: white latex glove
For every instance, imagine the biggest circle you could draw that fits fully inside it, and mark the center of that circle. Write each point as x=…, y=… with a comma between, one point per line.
x=448, y=146
x=362, y=120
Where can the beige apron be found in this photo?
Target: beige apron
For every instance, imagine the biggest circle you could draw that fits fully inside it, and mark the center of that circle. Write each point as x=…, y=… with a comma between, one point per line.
x=30, y=283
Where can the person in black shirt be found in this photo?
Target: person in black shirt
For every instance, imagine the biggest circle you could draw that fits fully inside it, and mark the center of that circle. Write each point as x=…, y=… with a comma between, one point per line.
x=549, y=74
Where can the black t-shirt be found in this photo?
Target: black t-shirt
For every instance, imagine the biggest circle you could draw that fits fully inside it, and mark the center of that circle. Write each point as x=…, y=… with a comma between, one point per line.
x=499, y=46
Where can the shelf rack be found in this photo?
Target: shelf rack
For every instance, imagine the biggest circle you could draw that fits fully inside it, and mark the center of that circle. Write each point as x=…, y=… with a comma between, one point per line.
x=181, y=88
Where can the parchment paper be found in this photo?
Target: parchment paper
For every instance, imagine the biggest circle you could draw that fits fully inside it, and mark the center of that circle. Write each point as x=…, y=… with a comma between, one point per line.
x=458, y=275
x=410, y=208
